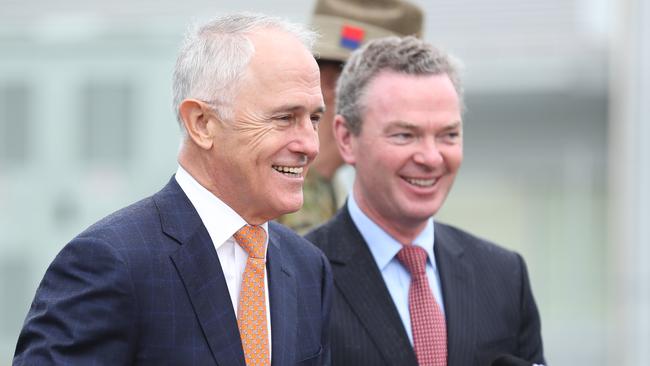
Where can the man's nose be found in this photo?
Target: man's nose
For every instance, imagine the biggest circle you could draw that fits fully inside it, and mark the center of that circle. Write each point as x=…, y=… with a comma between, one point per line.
x=306, y=139
x=428, y=154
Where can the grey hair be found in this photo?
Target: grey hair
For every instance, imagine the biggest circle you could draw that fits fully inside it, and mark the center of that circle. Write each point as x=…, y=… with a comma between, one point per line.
x=215, y=55
x=408, y=55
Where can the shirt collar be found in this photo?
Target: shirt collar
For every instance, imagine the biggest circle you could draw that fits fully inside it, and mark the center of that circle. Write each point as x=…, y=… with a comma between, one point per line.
x=383, y=246
x=221, y=221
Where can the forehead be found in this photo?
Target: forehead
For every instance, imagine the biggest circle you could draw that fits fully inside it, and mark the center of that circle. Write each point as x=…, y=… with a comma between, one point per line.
x=405, y=88
x=394, y=95
x=279, y=59
x=282, y=74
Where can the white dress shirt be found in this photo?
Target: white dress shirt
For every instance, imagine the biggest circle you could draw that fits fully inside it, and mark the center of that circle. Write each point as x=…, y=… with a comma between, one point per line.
x=384, y=248
x=222, y=222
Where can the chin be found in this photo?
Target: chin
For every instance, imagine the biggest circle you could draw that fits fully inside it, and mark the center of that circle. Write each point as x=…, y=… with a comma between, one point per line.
x=423, y=212
x=419, y=217
x=289, y=207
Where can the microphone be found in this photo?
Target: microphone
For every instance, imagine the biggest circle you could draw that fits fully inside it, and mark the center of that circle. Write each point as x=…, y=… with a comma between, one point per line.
x=510, y=360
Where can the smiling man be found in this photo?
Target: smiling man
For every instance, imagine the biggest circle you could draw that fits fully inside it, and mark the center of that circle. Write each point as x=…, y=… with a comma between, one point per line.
x=344, y=26
x=196, y=274
x=408, y=290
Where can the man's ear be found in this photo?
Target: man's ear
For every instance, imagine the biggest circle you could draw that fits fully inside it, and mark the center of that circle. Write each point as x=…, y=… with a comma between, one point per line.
x=344, y=139
x=199, y=122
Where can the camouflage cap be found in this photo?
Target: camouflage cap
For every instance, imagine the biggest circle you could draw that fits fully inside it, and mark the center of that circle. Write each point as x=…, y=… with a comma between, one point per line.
x=345, y=25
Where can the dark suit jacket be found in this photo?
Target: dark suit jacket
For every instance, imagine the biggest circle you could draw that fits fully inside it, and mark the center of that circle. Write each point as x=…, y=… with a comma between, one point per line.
x=489, y=306
x=144, y=286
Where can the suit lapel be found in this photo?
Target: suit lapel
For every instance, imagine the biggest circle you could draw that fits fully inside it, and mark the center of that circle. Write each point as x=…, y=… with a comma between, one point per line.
x=198, y=266
x=284, y=304
x=459, y=293
x=361, y=284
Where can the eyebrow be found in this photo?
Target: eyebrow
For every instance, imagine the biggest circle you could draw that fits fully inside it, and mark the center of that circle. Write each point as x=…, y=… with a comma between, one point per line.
x=320, y=109
x=453, y=125
x=412, y=126
x=402, y=124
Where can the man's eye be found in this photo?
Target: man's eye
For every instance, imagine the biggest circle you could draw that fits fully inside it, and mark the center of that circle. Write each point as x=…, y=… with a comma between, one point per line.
x=401, y=137
x=315, y=119
x=451, y=136
x=283, y=119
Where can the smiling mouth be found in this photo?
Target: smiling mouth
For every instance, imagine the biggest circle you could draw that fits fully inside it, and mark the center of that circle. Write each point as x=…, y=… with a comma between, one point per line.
x=290, y=171
x=421, y=182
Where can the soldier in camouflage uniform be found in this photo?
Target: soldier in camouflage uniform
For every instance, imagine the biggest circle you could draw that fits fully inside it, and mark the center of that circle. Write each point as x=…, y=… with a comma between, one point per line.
x=344, y=26
x=319, y=204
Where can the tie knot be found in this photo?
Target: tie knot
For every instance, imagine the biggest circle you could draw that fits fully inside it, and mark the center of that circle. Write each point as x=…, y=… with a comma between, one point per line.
x=414, y=258
x=251, y=239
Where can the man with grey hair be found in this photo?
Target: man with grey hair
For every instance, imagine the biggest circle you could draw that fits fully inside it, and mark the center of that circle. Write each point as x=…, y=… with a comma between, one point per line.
x=410, y=290
x=196, y=274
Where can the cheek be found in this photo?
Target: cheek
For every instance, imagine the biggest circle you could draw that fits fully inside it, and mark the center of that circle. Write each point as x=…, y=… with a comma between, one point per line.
x=392, y=157
x=252, y=130
x=274, y=144
x=452, y=157
x=455, y=160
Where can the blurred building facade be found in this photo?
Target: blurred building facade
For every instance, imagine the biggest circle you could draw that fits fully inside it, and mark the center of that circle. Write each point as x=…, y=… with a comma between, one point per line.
x=86, y=127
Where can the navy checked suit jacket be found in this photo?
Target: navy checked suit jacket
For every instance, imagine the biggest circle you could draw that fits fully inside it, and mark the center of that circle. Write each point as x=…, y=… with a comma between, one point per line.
x=489, y=306
x=144, y=286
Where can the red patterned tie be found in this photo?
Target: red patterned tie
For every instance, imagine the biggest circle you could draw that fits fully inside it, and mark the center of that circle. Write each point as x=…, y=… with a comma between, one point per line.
x=251, y=312
x=427, y=320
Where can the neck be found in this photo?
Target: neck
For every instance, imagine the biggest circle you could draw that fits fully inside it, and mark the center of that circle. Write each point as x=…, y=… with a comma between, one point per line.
x=404, y=231
x=404, y=234
x=197, y=165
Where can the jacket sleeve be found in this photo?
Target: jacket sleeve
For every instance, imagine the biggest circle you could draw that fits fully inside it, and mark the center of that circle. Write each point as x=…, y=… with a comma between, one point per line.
x=84, y=311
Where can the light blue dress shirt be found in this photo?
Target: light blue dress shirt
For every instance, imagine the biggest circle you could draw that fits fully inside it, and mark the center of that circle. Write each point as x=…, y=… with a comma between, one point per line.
x=384, y=250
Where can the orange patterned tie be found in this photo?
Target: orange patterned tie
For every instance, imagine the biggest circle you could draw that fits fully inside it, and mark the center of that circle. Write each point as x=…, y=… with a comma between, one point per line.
x=252, y=301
